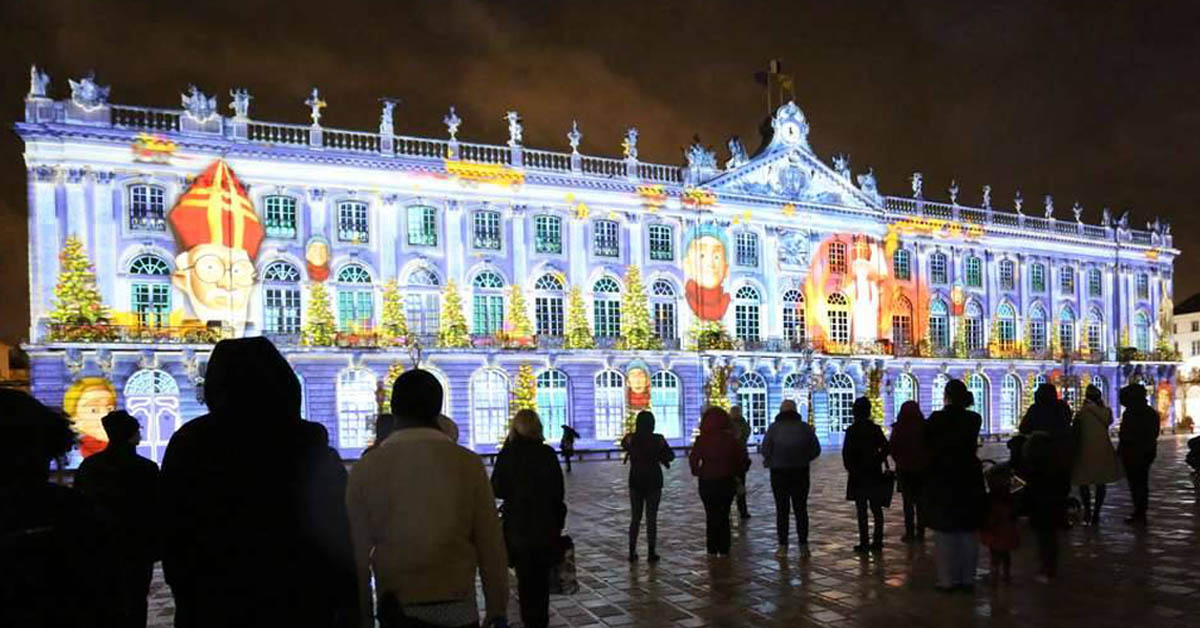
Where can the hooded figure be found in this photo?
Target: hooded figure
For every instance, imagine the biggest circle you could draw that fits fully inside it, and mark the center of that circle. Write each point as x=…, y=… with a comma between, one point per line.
x=909, y=450
x=1137, y=447
x=256, y=526
x=648, y=454
x=1047, y=468
x=716, y=458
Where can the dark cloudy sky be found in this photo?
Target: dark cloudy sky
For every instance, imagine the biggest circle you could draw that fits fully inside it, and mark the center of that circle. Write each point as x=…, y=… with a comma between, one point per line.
x=1090, y=101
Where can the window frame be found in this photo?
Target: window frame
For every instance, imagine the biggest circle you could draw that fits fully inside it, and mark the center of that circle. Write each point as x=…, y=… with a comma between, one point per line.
x=421, y=225
x=487, y=232
x=355, y=227
x=547, y=234
x=606, y=238
x=149, y=214
x=661, y=242
x=746, y=249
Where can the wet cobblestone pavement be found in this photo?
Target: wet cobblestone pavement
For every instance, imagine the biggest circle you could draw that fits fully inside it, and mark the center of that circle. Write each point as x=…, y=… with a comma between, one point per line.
x=1112, y=575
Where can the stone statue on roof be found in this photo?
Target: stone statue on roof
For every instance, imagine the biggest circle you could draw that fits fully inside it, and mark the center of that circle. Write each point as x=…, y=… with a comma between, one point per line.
x=737, y=154
x=198, y=105
x=87, y=93
x=38, y=81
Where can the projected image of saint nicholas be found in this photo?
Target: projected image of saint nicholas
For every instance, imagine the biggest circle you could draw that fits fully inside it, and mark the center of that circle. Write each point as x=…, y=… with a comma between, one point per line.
x=218, y=234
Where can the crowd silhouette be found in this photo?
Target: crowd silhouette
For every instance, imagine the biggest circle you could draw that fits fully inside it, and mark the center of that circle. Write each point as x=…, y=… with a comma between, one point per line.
x=257, y=522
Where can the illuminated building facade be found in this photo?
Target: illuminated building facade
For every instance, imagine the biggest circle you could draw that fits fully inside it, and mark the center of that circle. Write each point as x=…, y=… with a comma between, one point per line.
x=785, y=275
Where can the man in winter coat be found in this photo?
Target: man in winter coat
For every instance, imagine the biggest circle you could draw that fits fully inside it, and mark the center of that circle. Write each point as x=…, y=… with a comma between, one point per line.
x=717, y=457
x=788, y=449
x=864, y=453
x=123, y=486
x=911, y=453
x=741, y=429
x=1046, y=461
x=1137, y=446
x=1095, y=463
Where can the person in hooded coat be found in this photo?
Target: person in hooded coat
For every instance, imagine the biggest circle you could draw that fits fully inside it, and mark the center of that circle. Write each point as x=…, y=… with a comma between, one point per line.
x=717, y=457
x=1137, y=446
x=864, y=453
x=788, y=450
x=1046, y=462
x=911, y=454
x=954, y=492
x=1095, y=460
x=648, y=454
x=256, y=530
x=567, y=444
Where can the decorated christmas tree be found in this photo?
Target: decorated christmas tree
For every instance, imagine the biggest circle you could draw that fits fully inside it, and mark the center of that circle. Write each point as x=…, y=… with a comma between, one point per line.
x=385, y=400
x=708, y=335
x=76, y=297
x=579, y=333
x=1056, y=348
x=716, y=389
x=875, y=394
x=1030, y=390
x=319, y=323
x=518, y=329
x=395, y=325
x=993, y=345
x=452, y=331
x=960, y=337
x=524, y=395
x=637, y=333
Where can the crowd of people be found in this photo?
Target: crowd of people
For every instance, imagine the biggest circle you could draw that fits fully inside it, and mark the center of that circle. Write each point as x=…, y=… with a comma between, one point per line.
x=284, y=535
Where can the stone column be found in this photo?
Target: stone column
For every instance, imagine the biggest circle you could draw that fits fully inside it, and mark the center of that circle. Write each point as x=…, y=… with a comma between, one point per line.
x=455, y=254
x=519, y=245
x=318, y=214
x=387, y=213
x=105, y=226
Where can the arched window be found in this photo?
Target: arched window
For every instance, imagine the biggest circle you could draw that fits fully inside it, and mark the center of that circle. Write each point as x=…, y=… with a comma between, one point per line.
x=978, y=385
x=1141, y=332
x=837, y=257
x=352, y=222
x=552, y=402
x=939, y=325
x=973, y=272
x=662, y=302
x=795, y=331
x=937, y=392
x=791, y=387
x=280, y=219
x=752, y=396
x=1099, y=382
x=1007, y=274
x=606, y=307
x=147, y=208
x=281, y=298
x=746, y=304
x=937, y=269
x=356, y=303
x=902, y=264
x=423, y=302
x=151, y=290
x=841, y=401
x=548, y=305
x=664, y=403
x=487, y=300
x=1037, y=329
x=902, y=326
x=489, y=406
x=610, y=405
x=1006, y=327
x=904, y=388
x=152, y=396
x=1010, y=402
x=839, y=318
x=1066, y=329
x=357, y=407
x=1095, y=282
x=973, y=326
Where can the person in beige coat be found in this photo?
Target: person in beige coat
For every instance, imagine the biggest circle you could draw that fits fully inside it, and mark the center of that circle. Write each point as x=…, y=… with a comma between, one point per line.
x=1095, y=463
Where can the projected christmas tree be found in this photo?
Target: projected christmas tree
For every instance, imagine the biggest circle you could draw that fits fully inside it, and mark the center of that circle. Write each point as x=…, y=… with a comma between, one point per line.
x=637, y=332
x=524, y=395
x=579, y=334
x=76, y=297
x=518, y=329
x=395, y=324
x=452, y=331
x=319, y=323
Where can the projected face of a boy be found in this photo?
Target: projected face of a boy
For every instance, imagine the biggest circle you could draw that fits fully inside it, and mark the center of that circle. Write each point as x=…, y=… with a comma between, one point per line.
x=705, y=262
x=317, y=253
x=639, y=381
x=92, y=406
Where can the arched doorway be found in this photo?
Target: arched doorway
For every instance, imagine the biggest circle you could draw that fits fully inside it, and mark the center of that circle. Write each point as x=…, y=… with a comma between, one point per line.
x=152, y=396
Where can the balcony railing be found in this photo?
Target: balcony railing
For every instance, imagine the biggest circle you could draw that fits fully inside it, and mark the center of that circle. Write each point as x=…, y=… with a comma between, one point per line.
x=136, y=334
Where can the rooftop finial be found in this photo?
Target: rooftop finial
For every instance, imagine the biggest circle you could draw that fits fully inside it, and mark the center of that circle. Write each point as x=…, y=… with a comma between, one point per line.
x=1018, y=201
x=953, y=192
x=987, y=197
x=1077, y=209
x=737, y=154
x=1048, y=203
x=574, y=137
x=452, y=122
x=315, y=103
x=841, y=163
x=516, y=132
x=387, y=123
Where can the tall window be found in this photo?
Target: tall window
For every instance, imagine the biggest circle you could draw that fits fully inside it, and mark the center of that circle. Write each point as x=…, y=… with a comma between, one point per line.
x=1037, y=329
x=352, y=222
x=1007, y=274
x=356, y=299
x=746, y=248
x=548, y=306
x=487, y=303
x=839, y=318
x=486, y=230
x=746, y=304
x=902, y=326
x=356, y=407
x=1066, y=329
x=938, y=390
x=1006, y=327
x=973, y=326
x=752, y=396
x=147, y=208
x=1142, y=282
x=978, y=385
x=606, y=308
x=662, y=300
x=606, y=240
x=664, y=403
x=281, y=298
x=489, y=406
x=1095, y=331
x=1066, y=280
x=547, y=234
x=841, y=401
x=662, y=243
x=151, y=293
x=902, y=264
x=422, y=225
x=937, y=269
x=1037, y=277
x=422, y=302
x=973, y=270
x=794, y=329
x=281, y=216
x=610, y=405
x=790, y=390
x=552, y=402
x=939, y=324
x=837, y=257
x=1141, y=332
x=1095, y=281
x=904, y=388
x=1010, y=402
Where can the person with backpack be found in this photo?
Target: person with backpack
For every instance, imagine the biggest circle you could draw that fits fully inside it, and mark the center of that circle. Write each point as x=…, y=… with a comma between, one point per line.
x=648, y=455
x=788, y=450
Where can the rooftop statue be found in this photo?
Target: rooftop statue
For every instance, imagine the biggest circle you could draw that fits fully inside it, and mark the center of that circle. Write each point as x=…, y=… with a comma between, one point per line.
x=629, y=145
x=1077, y=209
x=1048, y=203
x=87, y=94
x=737, y=154
x=574, y=137
x=917, y=181
x=841, y=163
x=315, y=103
x=866, y=182
x=699, y=157
x=240, y=103
x=387, y=124
x=1123, y=220
x=515, y=130
x=38, y=81
x=1018, y=201
x=987, y=197
x=1106, y=217
x=452, y=122
x=953, y=192
x=198, y=105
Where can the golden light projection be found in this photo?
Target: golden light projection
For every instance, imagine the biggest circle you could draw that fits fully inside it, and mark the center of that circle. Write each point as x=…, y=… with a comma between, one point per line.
x=496, y=174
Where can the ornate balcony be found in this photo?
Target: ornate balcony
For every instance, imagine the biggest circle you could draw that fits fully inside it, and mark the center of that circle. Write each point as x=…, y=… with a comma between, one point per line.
x=135, y=334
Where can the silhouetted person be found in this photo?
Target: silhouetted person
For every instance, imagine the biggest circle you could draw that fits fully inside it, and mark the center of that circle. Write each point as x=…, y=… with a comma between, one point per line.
x=54, y=569
x=384, y=425
x=528, y=479
x=648, y=454
x=911, y=453
x=123, y=487
x=863, y=454
x=788, y=449
x=1046, y=461
x=954, y=490
x=448, y=427
x=255, y=518
x=1095, y=464
x=424, y=520
x=717, y=457
x=567, y=444
x=741, y=429
x=1137, y=445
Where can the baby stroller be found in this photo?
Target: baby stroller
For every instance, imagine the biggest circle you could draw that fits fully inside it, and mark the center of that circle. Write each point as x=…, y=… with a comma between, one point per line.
x=1193, y=460
x=1019, y=466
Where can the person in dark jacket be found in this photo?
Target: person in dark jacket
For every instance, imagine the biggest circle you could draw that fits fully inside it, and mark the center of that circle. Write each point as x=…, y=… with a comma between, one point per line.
x=529, y=481
x=911, y=454
x=1047, y=462
x=256, y=530
x=954, y=493
x=648, y=454
x=788, y=450
x=567, y=444
x=54, y=567
x=123, y=487
x=742, y=430
x=1137, y=446
x=717, y=457
x=864, y=453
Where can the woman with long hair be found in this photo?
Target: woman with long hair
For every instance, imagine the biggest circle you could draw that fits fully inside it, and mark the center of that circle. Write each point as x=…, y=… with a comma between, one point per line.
x=1095, y=459
x=912, y=461
x=648, y=454
x=717, y=458
x=863, y=454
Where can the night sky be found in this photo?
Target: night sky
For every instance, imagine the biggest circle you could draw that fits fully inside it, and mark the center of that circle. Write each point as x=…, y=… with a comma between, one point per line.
x=1096, y=102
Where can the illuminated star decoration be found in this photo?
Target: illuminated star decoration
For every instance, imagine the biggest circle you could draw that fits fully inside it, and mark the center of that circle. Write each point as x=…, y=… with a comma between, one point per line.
x=789, y=210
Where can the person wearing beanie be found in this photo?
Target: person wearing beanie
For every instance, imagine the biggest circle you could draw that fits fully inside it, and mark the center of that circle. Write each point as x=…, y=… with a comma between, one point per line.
x=954, y=490
x=1095, y=464
x=1137, y=446
x=864, y=454
x=717, y=457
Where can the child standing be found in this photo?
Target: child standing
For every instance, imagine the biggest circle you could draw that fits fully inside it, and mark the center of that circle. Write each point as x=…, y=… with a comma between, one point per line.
x=1000, y=534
